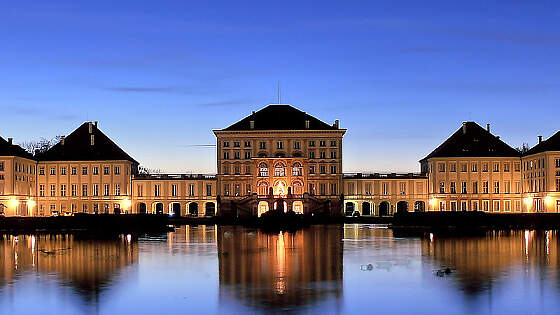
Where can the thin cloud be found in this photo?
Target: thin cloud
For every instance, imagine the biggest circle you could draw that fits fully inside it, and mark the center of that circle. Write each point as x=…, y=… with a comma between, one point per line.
x=138, y=89
x=37, y=112
x=233, y=102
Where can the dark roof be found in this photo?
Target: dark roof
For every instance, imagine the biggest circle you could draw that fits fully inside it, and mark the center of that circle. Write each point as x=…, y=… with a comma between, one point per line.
x=550, y=144
x=384, y=176
x=474, y=142
x=77, y=147
x=280, y=117
x=7, y=149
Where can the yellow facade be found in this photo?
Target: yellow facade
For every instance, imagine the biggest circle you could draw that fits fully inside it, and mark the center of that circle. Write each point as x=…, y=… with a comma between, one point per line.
x=541, y=182
x=483, y=184
x=17, y=186
x=384, y=194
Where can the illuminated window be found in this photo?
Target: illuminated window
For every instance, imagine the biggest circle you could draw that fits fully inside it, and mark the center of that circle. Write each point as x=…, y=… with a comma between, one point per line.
x=279, y=169
x=484, y=187
x=297, y=169
x=496, y=167
x=298, y=188
x=63, y=170
x=53, y=190
x=84, y=170
x=453, y=167
x=496, y=187
x=485, y=167
x=262, y=188
x=84, y=190
x=496, y=205
x=53, y=171
x=442, y=187
x=441, y=167
x=506, y=167
x=452, y=186
x=463, y=187
x=279, y=145
x=263, y=170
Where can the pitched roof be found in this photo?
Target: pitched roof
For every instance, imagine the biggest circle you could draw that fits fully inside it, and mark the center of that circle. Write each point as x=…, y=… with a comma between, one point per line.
x=77, y=147
x=280, y=117
x=7, y=149
x=550, y=144
x=471, y=140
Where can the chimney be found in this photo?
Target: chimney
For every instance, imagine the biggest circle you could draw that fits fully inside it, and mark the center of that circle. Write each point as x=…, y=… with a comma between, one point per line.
x=10, y=140
x=498, y=137
x=540, y=139
x=95, y=124
x=252, y=124
x=336, y=123
x=464, y=127
x=90, y=127
x=488, y=127
x=306, y=124
x=62, y=139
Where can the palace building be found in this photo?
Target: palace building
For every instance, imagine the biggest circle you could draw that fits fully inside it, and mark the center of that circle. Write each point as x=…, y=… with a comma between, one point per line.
x=279, y=158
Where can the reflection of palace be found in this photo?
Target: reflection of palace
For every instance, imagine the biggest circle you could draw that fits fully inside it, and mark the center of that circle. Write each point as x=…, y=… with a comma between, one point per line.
x=87, y=266
x=273, y=271
x=280, y=158
x=480, y=262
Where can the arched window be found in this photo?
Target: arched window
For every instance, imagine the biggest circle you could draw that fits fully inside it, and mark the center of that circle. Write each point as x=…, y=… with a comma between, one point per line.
x=279, y=169
x=298, y=187
x=263, y=188
x=297, y=169
x=263, y=170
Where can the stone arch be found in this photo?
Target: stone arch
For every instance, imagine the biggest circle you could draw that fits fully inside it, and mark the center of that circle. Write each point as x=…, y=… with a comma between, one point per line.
x=384, y=208
x=280, y=169
x=366, y=208
x=419, y=206
x=193, y=209
x=175, y=209
x=297, y=187
x=297, y=169
x=349, y=208
x=262, y=208
x=158, y=208
x=210, y=209
x=402, y=206
x=142, y=208
x=262, y=187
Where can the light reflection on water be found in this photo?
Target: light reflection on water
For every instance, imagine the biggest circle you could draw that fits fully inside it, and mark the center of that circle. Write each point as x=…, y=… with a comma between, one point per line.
x=333, y=269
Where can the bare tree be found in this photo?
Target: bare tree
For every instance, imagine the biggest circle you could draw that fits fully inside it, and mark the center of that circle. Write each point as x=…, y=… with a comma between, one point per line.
x=523, y=148
x=142, y=170
x=40, y=146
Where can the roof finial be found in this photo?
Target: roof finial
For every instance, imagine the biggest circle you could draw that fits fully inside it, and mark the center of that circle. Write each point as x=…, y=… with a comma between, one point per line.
x=278, y=91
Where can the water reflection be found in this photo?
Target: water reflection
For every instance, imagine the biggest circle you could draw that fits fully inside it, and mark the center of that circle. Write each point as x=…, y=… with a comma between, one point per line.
x=283, y=271
x=85, y=266
x=480, y=263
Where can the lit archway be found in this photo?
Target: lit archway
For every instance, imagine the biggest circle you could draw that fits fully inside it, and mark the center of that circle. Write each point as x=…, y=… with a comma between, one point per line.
x=158, y=208
x=193, y=209
x=297, y=207
x=262, y=208
x=297, y=187
x=280, y=205
x=175, y=209
x=419, y=206
x=262, y=188
x=280, y=188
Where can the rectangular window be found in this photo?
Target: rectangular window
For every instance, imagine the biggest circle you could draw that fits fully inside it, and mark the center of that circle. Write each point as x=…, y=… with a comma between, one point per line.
x=262, y=145
x=322, y=143
x=106, y=190
x=311, y=143
x=496, y=187
x=53, y=190
x=117, y=170
x=333, y=189
x=506, y=167
x=247, y=155
x=74, y=190
x=463, y=187
x=279, y=145
x=1, y=166
x=333, y=143
x=402, y=188
x=53, y=171
x=323, y=169
x=156, y=190
x=333, y=169
x=486, y=205
x=226, y=144
x=63, y=190
x=247, y=144
x=236, y=144
x=191, y=190
x=485, y=167
x=351, y=188
x=174, y=190
x=226, y=189
x=63, y=170
x=442, y=205
x=442, y=187
x=453, y=205
x=368, y=189
x=84, y=170
x=105, y=170
x=208, y=189
x=333, y=154
x=496, y=167
x=41, y=171
x=42, y=190
x=463, y=206
x=263, y=171
x=496, y=205
x=237, y=155
x=323, y=155
x=452, y=186
x=518, y=205
x=323, y=188
x=463, y=167
x=453, y=167
x=117, y=189
x=517, y=187
x=312, y=169
x=507, y=187
x=312, y=189
x=507, y=204
x=558, y=184
x=139, y=191
x=557, y=162
x=95, y=170
x=441, y=167
x=311, y=154
x=484, y=187
x=475, y=205
x=384, y=189
x=95, y=190
x=84, y=190
x=226, y=155
x=517, y=167
x=73, y=170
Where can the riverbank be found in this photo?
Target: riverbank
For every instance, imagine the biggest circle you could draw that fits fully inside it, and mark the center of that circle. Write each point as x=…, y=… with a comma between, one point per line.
x=95, y=224
x=473, y=220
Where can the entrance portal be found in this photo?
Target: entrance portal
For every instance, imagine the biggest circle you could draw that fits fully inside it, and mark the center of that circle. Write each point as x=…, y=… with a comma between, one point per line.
x=384, y=209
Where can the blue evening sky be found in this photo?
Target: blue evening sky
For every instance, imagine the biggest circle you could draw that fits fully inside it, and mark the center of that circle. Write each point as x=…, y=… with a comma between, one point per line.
x=160, y=75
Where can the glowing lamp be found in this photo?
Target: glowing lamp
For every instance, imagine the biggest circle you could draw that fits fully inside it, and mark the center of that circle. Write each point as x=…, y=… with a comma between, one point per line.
x=548, y=200
x=31, y=203
x=528, y=200
x=126, y=203
x=12, y=203
x=433, y=202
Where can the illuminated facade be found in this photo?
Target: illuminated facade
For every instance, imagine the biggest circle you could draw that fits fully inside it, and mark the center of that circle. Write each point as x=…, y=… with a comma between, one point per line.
x=280, y=158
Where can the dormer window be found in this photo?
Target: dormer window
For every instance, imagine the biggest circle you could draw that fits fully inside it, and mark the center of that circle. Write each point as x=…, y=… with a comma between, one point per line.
x=92, y=140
